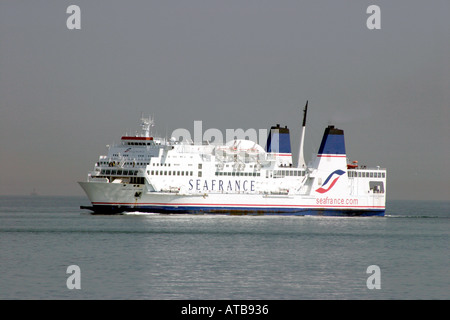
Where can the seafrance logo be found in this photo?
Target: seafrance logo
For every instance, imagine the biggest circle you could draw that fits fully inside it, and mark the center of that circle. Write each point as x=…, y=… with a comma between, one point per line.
x=327, y=185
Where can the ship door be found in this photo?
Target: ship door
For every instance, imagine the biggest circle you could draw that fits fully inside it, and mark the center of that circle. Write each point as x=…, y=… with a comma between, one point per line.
x=377, y=191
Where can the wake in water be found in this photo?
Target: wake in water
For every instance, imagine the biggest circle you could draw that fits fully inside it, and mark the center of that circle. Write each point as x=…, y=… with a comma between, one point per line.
x=416, y=216
x=418, y=209
x=139, y=213
x=396, y=216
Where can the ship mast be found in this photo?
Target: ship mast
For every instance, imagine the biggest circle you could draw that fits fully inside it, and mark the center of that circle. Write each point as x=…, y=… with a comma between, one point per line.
x=301, y=159
x=146, y=125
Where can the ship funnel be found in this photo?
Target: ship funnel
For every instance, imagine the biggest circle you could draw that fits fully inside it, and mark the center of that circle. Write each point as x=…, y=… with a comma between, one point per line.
x=279, y=143
x=279, y=140
x=333, y=142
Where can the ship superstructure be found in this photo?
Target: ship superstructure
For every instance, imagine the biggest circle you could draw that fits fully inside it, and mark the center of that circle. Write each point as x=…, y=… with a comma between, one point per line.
x=149, y=174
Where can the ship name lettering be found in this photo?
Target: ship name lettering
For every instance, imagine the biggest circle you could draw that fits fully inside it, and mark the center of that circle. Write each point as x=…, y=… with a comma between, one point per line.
x=220, y=185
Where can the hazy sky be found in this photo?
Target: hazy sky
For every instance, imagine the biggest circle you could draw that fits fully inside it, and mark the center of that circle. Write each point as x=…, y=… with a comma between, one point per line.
x=65, y=94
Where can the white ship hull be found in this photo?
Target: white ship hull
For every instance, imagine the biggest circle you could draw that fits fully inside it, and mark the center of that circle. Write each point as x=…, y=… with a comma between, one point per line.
x=117, y=198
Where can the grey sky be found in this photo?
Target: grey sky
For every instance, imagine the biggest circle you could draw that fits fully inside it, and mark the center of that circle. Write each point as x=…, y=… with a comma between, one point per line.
x=65, y=94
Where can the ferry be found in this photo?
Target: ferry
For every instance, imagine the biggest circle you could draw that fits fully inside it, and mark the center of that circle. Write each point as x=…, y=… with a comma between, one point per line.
x=173, y=176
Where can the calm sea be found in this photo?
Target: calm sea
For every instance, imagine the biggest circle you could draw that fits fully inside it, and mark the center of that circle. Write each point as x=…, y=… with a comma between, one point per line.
x=152, y=256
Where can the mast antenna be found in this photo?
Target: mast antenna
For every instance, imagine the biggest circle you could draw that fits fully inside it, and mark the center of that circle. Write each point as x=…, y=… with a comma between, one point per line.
x=301, y=159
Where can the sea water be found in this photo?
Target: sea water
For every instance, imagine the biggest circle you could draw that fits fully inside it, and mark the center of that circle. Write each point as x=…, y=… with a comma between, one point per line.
x=154, y=256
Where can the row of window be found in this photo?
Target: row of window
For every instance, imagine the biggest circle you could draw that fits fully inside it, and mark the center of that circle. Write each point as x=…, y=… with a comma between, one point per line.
x=126, y=155
x=161, y=164
x=190, y=164
x=157, y=164
x=170, y=173
x=114, y=163
x=137, y=180
x=140, y=143
x=133, y=180
x=269, y=174
x=232, y=165
x=191, y=173
x=363, y=174
x=238, y=174
x=285, y=173
x=119, y=172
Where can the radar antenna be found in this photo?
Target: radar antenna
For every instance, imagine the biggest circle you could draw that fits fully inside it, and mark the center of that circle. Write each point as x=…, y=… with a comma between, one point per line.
x=146, y=124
